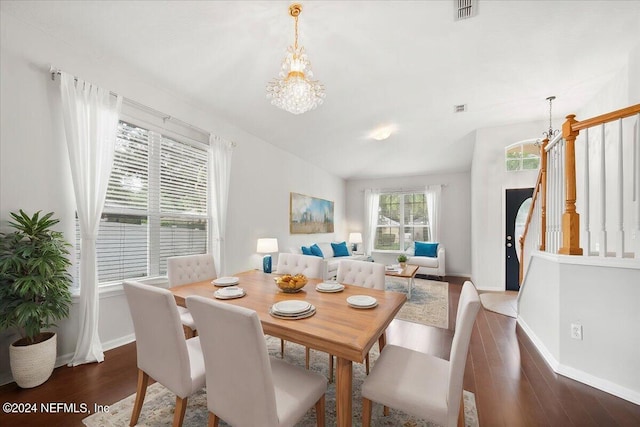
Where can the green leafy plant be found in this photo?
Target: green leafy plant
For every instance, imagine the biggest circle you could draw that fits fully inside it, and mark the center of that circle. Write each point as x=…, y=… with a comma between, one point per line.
x=34, y=282
x=402, y=258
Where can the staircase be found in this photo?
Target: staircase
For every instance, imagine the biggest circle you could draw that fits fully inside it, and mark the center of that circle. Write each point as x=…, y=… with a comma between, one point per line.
x=580, y=265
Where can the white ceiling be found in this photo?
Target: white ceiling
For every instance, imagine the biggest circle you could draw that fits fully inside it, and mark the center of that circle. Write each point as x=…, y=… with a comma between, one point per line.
x=405, y=63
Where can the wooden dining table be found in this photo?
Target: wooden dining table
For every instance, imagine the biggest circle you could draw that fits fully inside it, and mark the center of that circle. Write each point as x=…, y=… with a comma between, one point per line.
x=336, y=328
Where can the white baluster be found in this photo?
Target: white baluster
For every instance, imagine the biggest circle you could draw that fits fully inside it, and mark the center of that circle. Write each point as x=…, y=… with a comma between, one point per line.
x=603, y=196
x=585, y=216
x=636, y=169
x=620, y=248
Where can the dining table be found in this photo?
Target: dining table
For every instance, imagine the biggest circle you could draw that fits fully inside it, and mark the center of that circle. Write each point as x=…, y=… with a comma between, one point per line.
x=336, y=327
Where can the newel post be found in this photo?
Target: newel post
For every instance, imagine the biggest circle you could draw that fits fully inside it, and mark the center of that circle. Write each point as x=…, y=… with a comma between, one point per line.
x=570, y=218
x=543, y=194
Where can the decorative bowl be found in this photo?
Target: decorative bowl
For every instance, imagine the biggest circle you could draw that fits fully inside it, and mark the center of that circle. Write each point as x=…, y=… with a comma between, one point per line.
x=291, y=284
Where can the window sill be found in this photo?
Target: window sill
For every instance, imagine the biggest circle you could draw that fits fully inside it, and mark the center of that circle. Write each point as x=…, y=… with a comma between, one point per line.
x=112, y=289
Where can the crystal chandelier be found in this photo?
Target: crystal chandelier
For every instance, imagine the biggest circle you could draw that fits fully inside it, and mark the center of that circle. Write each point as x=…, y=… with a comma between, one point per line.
x=293, y=90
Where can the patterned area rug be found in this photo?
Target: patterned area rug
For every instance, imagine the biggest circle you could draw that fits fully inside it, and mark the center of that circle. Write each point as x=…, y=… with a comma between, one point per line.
x=429, y=303
x=159, y=402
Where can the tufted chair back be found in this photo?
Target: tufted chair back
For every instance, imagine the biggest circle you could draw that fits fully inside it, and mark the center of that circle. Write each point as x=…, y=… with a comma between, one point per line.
x=190, y=268
x=310, y=266
x=361, y=273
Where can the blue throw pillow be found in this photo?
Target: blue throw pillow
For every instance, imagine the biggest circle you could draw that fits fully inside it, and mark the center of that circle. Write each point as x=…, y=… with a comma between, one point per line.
x=315, y=250
x=426, y=249
x=306, y=250
x=340, y=249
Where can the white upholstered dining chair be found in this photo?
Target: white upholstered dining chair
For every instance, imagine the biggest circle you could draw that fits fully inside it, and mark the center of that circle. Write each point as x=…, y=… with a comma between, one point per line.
x=310, y=266
x=163, y=353
x=245, y=387
x=420, y=384
x=359, y=273
x=188, y=269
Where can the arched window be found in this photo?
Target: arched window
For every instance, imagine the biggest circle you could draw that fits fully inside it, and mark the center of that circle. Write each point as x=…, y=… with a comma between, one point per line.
x=523, y=155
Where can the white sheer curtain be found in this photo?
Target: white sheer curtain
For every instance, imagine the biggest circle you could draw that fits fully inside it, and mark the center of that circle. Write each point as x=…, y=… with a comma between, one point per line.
x=432, y=194
x=371, y=205
x=90, y=121
x=220, y=152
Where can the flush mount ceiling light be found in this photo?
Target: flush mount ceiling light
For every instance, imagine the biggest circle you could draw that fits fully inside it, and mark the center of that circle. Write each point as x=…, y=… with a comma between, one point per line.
x=293, y=90
x=382, y=133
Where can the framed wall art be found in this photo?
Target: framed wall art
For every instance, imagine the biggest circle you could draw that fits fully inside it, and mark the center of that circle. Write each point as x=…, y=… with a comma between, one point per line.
x=310, y=215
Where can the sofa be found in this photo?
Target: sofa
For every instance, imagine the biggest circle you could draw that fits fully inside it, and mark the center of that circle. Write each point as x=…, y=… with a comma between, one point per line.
x=329, y=260
x=428, y=265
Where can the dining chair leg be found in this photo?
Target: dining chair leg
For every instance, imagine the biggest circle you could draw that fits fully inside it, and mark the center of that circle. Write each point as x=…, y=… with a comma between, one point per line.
x=181, y=408
x=307, y=356
x=461, y=412
x=320, y=412
x=330, y=368
x=143, y=382
x=281, y=348
x=366, y=412
x=213, y=420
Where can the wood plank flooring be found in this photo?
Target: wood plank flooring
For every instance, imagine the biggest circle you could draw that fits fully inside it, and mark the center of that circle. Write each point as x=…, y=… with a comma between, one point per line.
x=513, y=385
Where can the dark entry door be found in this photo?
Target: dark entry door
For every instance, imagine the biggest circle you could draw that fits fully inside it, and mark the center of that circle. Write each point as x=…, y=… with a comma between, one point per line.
x=517, y=204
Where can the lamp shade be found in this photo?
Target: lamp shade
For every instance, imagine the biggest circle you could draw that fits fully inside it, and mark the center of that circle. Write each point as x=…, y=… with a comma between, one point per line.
x=355, y=237
x=267, y=246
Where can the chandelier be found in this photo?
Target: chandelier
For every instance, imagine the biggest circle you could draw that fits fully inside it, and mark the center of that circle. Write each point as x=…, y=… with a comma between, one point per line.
x=293, y=90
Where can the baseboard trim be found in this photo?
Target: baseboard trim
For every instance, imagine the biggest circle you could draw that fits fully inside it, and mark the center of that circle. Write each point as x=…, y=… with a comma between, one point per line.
x=539, y=345
x=599, y=383
x=576, y=374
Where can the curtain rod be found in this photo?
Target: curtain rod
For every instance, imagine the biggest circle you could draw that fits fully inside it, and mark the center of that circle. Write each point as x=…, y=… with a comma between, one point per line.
x=163, y=116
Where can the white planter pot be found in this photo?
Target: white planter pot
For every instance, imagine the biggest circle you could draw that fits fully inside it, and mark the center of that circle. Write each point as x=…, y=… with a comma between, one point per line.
x=31, y=365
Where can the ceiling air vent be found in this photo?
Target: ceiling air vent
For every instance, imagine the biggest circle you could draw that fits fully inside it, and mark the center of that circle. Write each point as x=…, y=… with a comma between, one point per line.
x=464, y=9
x=460, y=108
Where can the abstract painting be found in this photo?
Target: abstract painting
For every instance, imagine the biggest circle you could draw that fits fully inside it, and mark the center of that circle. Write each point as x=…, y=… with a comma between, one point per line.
x=309, y=215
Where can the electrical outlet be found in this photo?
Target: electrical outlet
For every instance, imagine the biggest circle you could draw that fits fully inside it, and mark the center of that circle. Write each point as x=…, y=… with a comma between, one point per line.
x=576, y=331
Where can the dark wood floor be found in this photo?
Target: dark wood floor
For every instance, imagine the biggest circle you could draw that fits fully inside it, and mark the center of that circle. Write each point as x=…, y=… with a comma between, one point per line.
x=512, y=384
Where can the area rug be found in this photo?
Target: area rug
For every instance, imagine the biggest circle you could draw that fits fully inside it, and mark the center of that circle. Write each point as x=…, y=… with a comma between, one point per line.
x=505, y=303
x=429, y=303
x=159, y=402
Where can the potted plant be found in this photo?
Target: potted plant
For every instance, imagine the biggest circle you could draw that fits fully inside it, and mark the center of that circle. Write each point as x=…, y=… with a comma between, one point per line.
x=402, y=259
x=34, y=293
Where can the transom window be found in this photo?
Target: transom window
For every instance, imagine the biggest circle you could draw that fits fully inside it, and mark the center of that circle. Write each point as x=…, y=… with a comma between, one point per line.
x=402, y=219
x=156, y=204
x=523, y=155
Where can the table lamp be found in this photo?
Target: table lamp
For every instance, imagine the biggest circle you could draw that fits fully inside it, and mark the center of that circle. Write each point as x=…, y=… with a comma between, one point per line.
x=355, y=238
x=267, y=246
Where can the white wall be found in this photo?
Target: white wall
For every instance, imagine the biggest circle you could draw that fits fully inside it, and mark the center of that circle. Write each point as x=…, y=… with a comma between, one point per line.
x=600, y=295
x=34, y=167
x=455, y=221
x=489, y=180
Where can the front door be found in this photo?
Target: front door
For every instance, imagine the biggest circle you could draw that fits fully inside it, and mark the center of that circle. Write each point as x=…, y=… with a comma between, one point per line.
x=517, y=205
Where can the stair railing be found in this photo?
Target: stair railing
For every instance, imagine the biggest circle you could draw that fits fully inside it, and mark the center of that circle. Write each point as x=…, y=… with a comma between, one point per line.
x=559, y=228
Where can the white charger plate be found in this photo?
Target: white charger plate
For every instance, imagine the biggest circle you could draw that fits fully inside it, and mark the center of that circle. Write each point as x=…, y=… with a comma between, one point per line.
x=329, y=287
x=229, y=293
x=225, y=281
x=362, y=301
x=291, y=307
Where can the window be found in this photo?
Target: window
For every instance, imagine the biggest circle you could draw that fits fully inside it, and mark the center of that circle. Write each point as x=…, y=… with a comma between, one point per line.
x=402, y=219
x=156, y=204
x=524, y=155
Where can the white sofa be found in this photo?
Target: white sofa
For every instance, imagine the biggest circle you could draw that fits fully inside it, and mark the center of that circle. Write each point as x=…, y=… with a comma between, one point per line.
x=428, y=265
x=329, y=260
